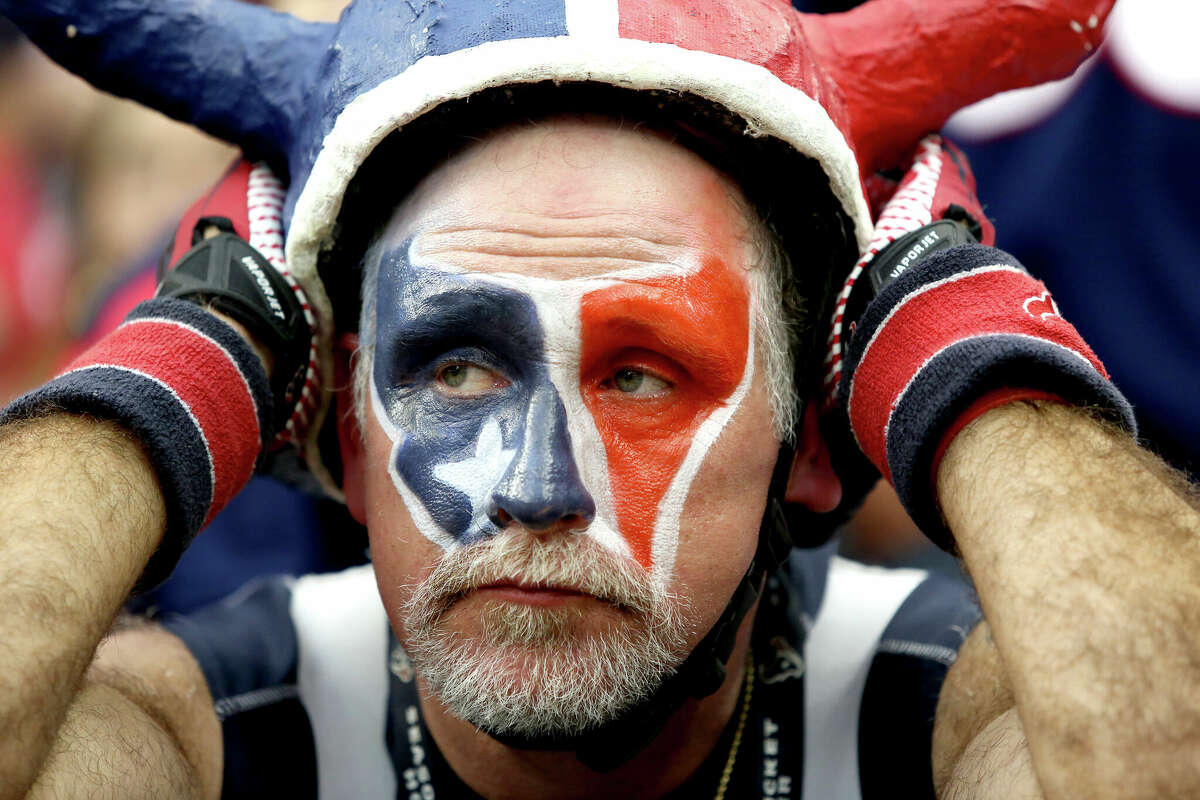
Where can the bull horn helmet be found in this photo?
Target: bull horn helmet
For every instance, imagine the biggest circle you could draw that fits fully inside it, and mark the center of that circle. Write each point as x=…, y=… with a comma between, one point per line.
x=852, y=91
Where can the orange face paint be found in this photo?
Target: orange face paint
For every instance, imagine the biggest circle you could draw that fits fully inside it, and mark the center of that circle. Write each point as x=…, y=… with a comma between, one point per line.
x=692, y=331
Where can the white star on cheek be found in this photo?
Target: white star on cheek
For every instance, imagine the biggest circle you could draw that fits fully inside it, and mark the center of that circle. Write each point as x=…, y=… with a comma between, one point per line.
x=477, y=475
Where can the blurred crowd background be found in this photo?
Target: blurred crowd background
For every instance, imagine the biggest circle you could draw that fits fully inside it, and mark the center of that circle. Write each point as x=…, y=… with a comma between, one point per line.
x=1091, y=181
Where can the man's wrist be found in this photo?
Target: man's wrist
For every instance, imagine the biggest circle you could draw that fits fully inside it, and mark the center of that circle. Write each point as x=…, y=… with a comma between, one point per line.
x=1015, y=444
x=193, y=392
x=262, y=351
x=969, y=451
x=986, y=402
x=62, y=439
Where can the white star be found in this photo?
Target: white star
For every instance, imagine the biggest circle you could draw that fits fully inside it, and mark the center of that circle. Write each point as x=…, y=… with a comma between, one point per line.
x=478, y=475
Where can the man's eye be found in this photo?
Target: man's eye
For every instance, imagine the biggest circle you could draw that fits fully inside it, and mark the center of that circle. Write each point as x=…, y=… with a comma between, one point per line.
x=468, y=379
x=636, y=382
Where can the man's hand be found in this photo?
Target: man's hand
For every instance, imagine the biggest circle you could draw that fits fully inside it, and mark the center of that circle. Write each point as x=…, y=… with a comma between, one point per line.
x=227, y=255
x=265, y=356
x=1085, y=550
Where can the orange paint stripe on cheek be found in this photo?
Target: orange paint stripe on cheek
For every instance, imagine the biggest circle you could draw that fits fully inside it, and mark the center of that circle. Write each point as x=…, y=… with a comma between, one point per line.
x=701, y=323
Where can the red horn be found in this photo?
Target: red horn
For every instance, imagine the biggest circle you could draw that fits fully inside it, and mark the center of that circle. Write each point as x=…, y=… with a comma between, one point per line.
x=905, y=67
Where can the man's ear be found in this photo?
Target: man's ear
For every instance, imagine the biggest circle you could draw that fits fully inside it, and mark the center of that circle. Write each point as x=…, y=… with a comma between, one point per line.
x=812, y=481
x=349, y=435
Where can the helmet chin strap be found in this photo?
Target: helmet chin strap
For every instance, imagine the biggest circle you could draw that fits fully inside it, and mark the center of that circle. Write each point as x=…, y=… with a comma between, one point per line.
x=608, y=746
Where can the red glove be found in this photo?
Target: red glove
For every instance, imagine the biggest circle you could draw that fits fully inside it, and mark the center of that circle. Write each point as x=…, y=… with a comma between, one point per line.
x=932, y=329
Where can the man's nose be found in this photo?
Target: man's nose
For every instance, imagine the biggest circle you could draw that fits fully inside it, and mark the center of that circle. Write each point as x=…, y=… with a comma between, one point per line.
x=542, y=486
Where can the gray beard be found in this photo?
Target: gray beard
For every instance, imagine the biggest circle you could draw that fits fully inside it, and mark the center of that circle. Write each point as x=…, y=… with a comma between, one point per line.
x=532, y=672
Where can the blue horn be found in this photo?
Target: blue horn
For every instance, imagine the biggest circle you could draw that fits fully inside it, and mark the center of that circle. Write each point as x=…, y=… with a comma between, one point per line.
x=240, y=72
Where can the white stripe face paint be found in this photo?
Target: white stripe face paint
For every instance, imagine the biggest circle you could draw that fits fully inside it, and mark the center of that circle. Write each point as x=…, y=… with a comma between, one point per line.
x=598, y=397
x=670, y=509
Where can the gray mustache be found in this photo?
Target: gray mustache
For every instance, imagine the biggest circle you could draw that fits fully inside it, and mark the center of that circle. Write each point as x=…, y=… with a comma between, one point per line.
x=569, y=561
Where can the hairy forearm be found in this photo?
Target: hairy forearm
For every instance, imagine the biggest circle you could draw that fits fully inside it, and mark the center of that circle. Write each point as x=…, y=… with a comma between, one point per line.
x=995, y=765
x=1086, y=555
x=80, y=514
x=107, y=747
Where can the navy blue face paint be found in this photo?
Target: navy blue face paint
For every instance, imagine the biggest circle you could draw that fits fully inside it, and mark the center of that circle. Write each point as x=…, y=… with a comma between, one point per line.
x=460, y=373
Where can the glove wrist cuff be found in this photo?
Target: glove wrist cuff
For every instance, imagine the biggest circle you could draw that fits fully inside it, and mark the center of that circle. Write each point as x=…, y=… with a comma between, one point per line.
x=193, y=392
x=968, y=321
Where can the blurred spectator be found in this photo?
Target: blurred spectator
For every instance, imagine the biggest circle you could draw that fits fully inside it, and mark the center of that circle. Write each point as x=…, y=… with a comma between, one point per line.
x=1092, y=184
x=135, y=173
x=39, y=121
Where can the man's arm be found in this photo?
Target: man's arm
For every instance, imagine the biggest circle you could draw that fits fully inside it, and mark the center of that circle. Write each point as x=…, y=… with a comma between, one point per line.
x=143, y=726
x=1086, y=554
x=80, y=514
x=979, y=748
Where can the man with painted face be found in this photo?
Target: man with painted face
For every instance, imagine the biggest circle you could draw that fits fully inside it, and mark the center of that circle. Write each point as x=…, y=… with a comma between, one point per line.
x=582, y=428
x=571, y=370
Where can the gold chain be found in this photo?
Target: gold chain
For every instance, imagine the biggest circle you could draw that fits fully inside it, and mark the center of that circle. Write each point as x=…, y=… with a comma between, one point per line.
x=747, y=693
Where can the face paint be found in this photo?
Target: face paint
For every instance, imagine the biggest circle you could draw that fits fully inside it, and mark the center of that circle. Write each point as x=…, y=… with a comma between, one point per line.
x=695, y=330
x=503, y=447
x=534, y=400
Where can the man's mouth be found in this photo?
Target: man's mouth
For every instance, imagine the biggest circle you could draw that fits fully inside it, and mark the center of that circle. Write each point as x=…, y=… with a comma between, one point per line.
x=518, y=571
x=533, y=593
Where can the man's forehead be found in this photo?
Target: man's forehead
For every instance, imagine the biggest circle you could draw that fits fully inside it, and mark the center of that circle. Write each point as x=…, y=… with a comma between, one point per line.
x=415, y=279
x=568, y=198
x=580, y=264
